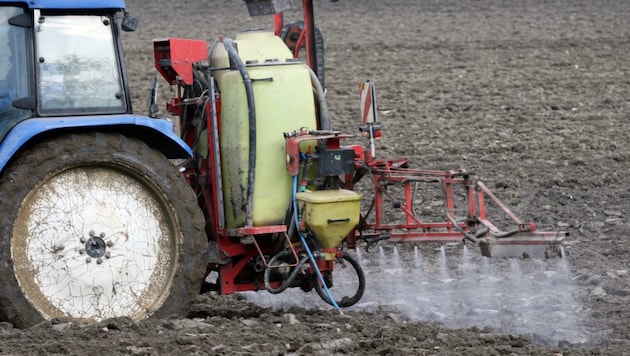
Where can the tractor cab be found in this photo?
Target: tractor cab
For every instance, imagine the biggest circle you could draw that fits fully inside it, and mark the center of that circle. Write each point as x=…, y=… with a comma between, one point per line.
x=61, y=62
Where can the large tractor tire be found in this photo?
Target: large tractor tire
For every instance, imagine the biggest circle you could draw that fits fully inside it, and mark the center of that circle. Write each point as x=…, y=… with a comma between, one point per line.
x=97, y=226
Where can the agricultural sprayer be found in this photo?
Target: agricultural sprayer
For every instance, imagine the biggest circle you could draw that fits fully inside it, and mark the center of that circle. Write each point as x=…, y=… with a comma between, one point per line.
x=106, y=213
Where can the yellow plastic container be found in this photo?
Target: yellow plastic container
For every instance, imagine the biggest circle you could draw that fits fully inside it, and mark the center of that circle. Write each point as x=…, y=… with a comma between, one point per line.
x=254, y=47
x=330, y=214
x=284, y=102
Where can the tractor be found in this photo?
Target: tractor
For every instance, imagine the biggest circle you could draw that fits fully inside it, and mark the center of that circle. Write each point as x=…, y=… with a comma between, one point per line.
x=106, y=213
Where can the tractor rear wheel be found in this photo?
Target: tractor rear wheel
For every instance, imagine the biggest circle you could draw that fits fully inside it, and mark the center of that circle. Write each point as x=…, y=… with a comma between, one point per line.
x=97, y=226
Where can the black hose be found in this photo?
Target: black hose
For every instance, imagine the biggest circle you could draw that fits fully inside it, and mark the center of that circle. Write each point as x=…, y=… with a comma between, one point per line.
x=324, y=115
x=251, y=109
x=467, y=236
x=375, y=240
x=505, y=234
x=292, y=276
x=363, y=219
x=481, y=232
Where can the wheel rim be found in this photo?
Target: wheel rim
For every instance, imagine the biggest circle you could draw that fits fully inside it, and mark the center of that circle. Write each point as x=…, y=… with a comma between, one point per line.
x=96, y=242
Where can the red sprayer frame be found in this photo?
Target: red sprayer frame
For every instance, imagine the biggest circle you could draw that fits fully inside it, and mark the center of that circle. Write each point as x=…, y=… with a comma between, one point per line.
x=233, y=251
x=472, y=225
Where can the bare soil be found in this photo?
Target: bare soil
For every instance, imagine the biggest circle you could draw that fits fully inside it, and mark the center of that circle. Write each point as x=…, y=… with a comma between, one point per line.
x=532, y=96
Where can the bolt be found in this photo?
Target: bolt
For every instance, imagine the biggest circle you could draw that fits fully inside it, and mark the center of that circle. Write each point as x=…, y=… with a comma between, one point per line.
x=82, y=251
x=99, y=260
x=88, y=259
x=82, y=239
x=110, y=244
x=108, y=255
x=102, y=235
x=92, y=233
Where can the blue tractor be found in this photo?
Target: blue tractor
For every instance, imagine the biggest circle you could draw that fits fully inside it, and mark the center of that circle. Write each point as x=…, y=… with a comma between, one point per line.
x=95, y=221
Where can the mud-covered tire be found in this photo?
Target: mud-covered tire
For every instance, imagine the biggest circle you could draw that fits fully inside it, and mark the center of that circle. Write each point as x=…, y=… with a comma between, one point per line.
x=96, y=226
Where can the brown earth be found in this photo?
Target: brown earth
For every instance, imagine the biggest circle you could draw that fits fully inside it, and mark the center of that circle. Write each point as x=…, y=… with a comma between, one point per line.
x=532, y=96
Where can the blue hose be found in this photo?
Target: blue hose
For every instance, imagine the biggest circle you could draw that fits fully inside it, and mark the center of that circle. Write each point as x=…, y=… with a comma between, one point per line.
x=308, y=250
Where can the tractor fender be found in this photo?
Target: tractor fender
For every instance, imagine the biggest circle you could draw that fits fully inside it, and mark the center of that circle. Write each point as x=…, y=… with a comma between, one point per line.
x=157, y=133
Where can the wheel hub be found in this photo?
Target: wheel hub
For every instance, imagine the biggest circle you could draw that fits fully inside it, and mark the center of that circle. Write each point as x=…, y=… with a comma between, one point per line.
x=96, y=247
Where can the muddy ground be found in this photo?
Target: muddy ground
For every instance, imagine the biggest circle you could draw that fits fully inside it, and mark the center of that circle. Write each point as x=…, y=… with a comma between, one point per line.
x=533, y=96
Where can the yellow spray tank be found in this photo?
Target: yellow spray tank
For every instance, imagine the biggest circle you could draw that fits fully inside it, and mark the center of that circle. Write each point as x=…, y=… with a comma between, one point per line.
x=283, y=101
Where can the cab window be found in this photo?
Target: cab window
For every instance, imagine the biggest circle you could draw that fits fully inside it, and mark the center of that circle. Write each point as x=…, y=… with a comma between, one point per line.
x=13, y=64
x=77, y=65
